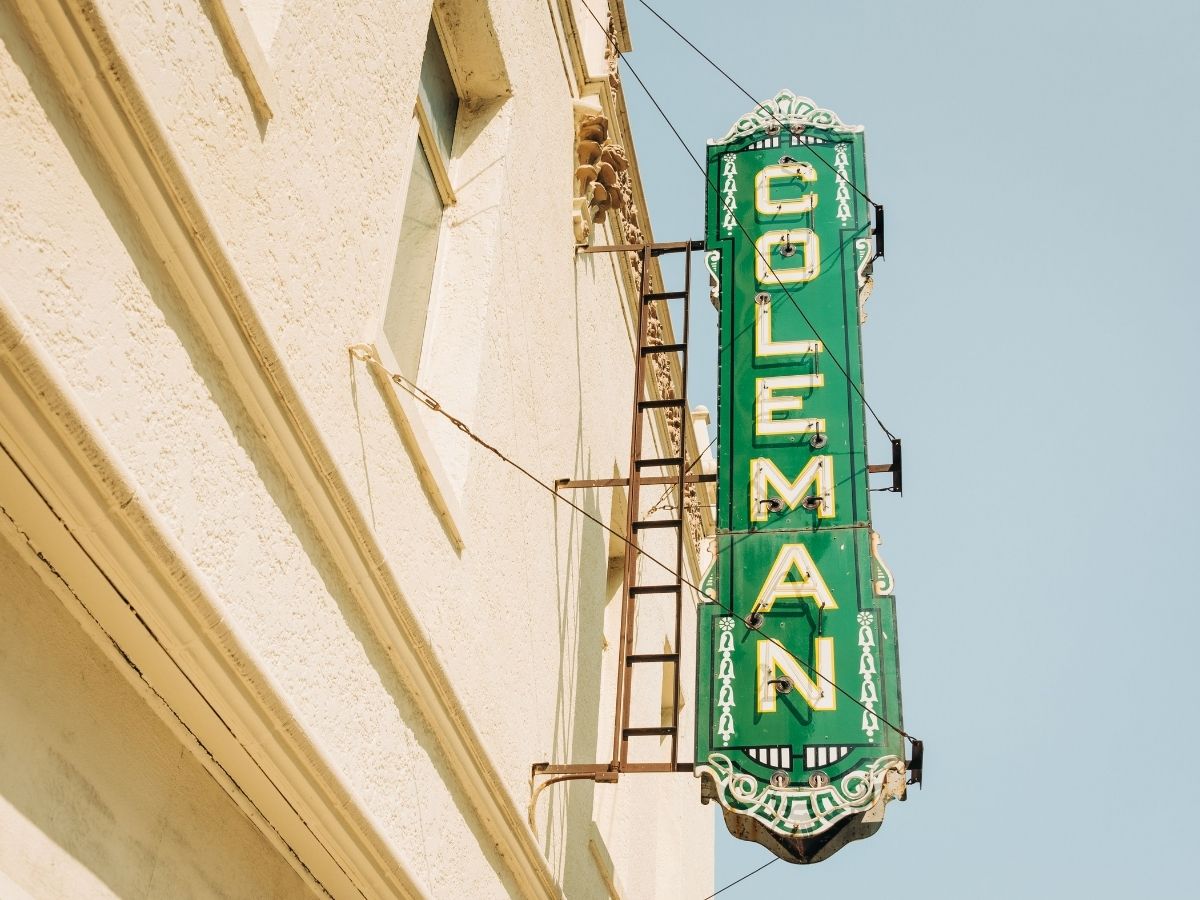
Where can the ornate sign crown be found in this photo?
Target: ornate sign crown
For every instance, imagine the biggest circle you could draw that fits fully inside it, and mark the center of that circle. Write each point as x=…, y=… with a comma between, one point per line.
x=788, y=111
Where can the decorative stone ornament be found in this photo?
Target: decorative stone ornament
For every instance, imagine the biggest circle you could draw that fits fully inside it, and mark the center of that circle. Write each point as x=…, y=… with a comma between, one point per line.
x=599, y=164
x=603, y=183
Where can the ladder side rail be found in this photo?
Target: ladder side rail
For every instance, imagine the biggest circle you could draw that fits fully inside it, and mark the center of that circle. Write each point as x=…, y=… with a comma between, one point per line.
x=632, y=548
x=684, y=426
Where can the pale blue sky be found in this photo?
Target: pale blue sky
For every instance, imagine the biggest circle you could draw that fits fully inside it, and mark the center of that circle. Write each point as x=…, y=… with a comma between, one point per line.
x=1032, y=338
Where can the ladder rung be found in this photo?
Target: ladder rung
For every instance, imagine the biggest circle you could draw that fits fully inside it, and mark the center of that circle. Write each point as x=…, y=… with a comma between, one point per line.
x=659, y=461
x=651, y=658
x=659, y=404
x=632, y=767
x=645, y=732
x=657, y=523
x=654, y=589
x=675, y=247
x=662, y=348
x=664, y=295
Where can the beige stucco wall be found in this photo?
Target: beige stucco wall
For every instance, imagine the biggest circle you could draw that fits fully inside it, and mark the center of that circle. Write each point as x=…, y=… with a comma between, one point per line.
x=97, y=797
x=528, y=343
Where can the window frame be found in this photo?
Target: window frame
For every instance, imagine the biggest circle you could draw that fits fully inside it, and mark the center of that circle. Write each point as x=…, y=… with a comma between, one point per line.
x=442, y=168
x=409, y=413
x=422, y=140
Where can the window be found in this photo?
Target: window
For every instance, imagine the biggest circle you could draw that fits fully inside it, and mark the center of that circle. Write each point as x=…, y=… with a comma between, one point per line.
x=431, y=323
x=429, y=193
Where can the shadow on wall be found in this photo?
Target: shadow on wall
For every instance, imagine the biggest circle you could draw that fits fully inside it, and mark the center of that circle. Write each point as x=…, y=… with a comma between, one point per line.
x=96, y=793
x=589, y=574
x=571, y=805
x=161, y=289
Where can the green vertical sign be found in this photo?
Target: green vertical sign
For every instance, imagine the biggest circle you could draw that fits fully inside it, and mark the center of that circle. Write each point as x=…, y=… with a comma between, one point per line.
x=798, y=676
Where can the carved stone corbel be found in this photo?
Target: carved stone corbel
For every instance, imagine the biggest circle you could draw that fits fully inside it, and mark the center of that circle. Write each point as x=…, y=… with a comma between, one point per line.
x=599, y=165
x=619, y=197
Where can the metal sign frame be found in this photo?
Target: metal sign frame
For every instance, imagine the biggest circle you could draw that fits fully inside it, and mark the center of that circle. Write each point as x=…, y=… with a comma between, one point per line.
x=799, y=713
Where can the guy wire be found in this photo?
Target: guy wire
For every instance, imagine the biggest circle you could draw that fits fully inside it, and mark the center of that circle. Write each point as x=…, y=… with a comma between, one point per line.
x=363, y=352
x=743, y=878
x=754, y=99
x=683, y=143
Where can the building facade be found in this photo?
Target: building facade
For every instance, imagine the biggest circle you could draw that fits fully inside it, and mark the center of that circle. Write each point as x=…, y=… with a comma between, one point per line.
x=270, y=625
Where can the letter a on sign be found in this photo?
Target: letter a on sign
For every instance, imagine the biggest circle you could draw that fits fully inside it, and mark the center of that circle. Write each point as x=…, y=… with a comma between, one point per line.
x=794, y=558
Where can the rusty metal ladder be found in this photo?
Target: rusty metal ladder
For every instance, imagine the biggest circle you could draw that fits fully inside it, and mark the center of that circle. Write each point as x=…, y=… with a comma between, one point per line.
x=660, y=587
x=669, y=584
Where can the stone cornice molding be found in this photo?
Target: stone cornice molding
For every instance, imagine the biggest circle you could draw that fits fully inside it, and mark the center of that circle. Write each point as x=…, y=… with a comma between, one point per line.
x=72, y=38
x=75, y=515
x=569, y=27
x=631, y=225
x=786, y=110
x=620, y=25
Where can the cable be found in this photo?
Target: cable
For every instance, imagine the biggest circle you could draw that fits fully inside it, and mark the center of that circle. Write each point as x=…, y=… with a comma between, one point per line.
x=743, y=878
x=654, y=508
x=683, y=143
x=753, y=323
x=753, y=99
x=363, y=352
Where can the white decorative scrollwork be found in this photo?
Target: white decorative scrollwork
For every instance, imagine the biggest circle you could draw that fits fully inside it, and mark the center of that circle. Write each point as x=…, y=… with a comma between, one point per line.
x=729, y=193
x=712, y=259
x=868, y=695
x=841, y=166
x=882, y=580
x=865, y=248
x=804, y=810
x=725, y=677
x=789, y=111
